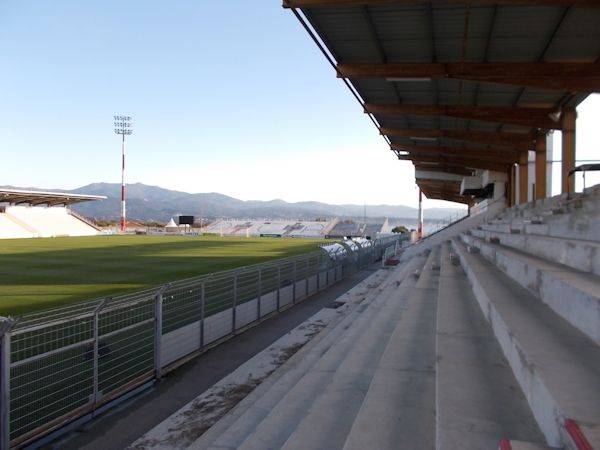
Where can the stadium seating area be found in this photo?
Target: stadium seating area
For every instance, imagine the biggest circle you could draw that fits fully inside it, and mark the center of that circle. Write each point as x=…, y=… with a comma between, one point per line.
x=283, y=228
x=343, y=229
x=486, y=337
x=37, y=221
x=11, y=228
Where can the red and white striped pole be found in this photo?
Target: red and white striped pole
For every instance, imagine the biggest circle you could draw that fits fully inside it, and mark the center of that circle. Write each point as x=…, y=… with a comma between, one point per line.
x=123, y=220
x=123, y=127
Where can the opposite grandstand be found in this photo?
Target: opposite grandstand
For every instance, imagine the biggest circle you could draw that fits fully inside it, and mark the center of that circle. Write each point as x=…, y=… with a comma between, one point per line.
x=333, y=228
x=31, y=214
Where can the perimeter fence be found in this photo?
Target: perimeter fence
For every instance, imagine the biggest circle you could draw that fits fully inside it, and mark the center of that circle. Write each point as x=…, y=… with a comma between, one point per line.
x=63, y=364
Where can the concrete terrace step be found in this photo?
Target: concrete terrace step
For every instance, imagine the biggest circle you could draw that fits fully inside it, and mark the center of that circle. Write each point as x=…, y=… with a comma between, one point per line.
x=332, y=414
x=327, y=416
x=511, y=444
x=233, y=429
x=578, y=254
x=284, y=424
x=398, y=411
x=478, y=399
x=572, y=294
x=576, y=219
x=557, y=366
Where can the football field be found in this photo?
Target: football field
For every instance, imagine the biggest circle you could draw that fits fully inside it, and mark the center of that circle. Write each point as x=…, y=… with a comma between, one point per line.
x=43, y=273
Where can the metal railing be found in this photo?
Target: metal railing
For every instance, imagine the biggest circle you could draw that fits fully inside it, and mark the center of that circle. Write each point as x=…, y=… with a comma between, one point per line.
x=447, y=221
x=63, y=363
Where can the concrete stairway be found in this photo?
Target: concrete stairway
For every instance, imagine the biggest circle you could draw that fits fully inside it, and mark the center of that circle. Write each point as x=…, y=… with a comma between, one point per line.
x=326, y=391
x=571, y=217
x=491, y=340
x=556, y=364
x=478, y=400
x=553, y=283
x=535, y=272
x=399, y=408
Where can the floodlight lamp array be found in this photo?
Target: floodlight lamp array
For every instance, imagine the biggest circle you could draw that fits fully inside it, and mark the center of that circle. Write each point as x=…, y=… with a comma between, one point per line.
x=123, y=125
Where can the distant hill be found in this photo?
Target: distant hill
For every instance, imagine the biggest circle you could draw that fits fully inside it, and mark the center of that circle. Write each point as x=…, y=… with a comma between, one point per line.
x=154, y=203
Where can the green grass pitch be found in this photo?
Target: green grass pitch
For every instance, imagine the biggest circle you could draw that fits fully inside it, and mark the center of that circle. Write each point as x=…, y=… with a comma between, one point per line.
x=37, y=274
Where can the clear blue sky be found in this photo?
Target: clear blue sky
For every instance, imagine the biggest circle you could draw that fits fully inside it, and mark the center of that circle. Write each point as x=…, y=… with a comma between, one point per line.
x=226, y=96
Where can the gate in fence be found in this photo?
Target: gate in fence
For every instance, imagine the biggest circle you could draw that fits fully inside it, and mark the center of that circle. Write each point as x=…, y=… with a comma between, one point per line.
x=64, y=363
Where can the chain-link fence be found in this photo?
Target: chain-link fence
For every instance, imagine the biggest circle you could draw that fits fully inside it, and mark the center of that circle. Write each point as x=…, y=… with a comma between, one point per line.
x=61, y=364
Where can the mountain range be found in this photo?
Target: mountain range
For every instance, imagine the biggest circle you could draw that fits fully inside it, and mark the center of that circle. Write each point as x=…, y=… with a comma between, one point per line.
x=154, y=203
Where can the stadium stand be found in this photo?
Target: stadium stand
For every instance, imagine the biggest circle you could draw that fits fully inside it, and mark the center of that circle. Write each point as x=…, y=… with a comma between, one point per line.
x=372, y=229
x=307, y=229
x=281, y=228
x=30, y=214
x=487, y=340
x=353, y=229
x=10, y=228
x=51, y=221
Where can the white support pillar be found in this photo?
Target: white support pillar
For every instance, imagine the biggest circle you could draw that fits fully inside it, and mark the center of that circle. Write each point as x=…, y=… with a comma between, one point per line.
x=549, y=159
x=420, y=229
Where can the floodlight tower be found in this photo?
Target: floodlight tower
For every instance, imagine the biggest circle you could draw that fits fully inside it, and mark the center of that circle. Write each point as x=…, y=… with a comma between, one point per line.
x=123, y=127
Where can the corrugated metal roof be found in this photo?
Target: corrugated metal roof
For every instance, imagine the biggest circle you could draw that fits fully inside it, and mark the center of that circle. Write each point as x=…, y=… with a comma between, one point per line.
x=442, y=32
x=20, y=196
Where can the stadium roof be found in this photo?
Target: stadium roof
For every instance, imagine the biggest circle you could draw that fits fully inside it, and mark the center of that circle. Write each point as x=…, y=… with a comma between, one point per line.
x=19, y=197
x=456, y=86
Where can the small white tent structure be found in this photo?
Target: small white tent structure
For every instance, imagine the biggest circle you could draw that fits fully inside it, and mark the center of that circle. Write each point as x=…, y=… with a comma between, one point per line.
x=171, y=226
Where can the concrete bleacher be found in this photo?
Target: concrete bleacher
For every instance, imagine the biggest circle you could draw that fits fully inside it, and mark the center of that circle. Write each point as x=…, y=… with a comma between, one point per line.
x=343, y=229
x=486, y=338
x=12, y=228
x=284, y=228
x=414, y=365
x=307, y=229
x=48, y=222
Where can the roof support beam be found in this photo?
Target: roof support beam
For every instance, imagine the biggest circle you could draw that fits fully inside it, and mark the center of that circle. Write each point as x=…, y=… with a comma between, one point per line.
x=456, y=161
x=342, y=3
x=443, y=169
x=528, y=117
x=518, y=141
x=572, y=77
x=432, y=175
x=508, y=156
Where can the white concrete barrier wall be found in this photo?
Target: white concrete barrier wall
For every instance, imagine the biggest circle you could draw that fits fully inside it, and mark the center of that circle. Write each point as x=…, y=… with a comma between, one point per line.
x=180, y=342
x=246, y=313
x=217, y=326
x=286, y=296
x=300, y=289
x=312, y=284
x=268, y=303
x=187, y=339
x=332, y=276
x=322, y=280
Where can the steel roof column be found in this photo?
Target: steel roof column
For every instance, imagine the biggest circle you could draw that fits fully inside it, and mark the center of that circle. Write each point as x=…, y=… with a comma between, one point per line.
x=569, y=118
x=540, y=167
x=523, y=176
x=512, y=197
x=420, y=229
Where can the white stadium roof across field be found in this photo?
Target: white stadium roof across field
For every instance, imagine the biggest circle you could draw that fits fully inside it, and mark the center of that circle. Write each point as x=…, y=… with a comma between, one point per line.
x=19, y=197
